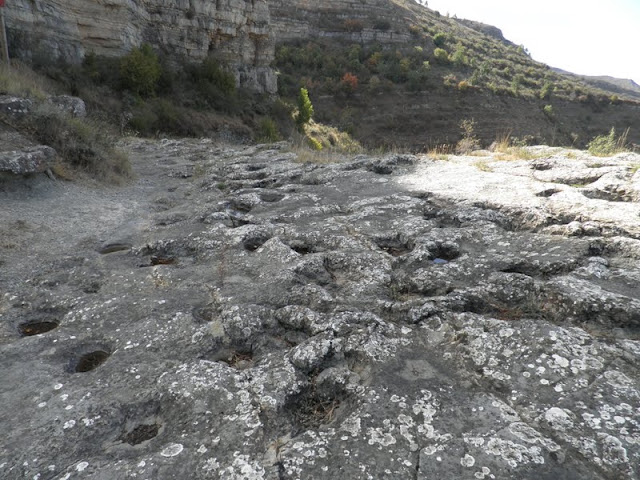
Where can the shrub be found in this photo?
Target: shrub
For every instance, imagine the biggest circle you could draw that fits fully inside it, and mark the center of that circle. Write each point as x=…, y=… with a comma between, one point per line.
x=440, y=39
x=140, y=71
x=382, y=24
x=450, y=80
x=352, y=25
x=305, y=109
x=546, y=91
x=516, y=82
x=441, y=55
x=548, y=110
x=349, y=82
x=459, y=57
x=464, y=85
x=314, y=144
x=469, y=141
x=607, y=145
x=81, y=142
x=415, y=30
x=268, y=131
x=210, y=71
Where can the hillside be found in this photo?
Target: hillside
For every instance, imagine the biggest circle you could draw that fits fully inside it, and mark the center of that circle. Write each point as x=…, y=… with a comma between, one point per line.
x=184, y=295
x=624, y=87
x=414, y=74
x=472, y=72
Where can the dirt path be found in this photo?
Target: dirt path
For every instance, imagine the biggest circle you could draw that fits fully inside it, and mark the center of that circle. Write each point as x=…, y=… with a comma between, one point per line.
x=41, y=219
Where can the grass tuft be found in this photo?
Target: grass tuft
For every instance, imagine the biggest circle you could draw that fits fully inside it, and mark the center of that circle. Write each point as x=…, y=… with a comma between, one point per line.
x=608, y=145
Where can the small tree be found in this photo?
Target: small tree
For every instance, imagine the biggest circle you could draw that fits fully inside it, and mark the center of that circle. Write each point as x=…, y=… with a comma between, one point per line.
x=349, y=82
x=140, y=70
x=305, y=109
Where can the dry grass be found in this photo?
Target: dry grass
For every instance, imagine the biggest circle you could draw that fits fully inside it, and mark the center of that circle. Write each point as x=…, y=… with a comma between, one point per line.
x=508, y=149
x=441, y=152
x=21, y=81
x=333, y=139
x=483, y=166
x=84, y=145
x=323, y=144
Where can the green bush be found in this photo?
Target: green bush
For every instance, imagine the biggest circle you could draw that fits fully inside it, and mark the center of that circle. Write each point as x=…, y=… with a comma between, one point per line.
x=459, y=57
x=607, y=145
x=440, y=39
x=305, y=109
x=314, y=144
x=383, y=25
x=441, y=55
x=546, y=91
x=548, y=110
x=140, y=71
x=469, y=141
x=268, y=131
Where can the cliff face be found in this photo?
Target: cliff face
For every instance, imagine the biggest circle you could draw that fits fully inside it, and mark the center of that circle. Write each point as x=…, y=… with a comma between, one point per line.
x=382, y=21
x=236, y=31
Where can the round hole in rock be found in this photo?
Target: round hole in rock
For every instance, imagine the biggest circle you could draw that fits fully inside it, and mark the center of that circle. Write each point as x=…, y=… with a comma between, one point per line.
x=301, y=247
x=251, y=244
x=271, y=197
x=240, y=359
x=162, y=260
x=30, y=329
x=141, y=433
x=114, y=247
x=394, y=246
x=444, y=252
x=90, y=361
x=548, y=192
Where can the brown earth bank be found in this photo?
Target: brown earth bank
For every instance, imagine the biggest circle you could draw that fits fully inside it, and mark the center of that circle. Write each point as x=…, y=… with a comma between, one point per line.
x=423, y=120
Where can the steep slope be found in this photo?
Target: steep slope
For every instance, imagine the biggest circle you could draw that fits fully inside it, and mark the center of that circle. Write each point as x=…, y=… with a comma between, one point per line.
x=472, y=72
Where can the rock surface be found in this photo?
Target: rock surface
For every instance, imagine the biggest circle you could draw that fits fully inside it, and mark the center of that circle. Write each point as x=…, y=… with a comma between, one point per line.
x=235, y=30
x=235, y=314
x=19, y=156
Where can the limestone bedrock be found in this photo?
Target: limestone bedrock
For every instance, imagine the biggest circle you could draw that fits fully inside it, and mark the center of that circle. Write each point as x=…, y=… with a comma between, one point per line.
x=237, y=314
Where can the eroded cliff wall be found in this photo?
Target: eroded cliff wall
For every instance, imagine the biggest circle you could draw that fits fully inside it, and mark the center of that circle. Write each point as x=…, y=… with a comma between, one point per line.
x=382, y=21
x=236, y=31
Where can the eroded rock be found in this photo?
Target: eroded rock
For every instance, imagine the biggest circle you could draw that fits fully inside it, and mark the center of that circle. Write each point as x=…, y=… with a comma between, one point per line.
x=320, y=320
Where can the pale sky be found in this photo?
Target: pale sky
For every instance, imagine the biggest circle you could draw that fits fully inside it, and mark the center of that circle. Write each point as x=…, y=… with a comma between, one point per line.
x=587, y=37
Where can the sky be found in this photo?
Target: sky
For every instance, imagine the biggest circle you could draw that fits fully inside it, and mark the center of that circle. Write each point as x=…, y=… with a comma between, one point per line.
x=586, y=37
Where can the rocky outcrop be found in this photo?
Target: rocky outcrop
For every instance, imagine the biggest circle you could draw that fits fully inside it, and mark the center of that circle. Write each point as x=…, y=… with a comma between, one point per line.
x=355, y=21
x=237, y=31
x=238, y=314
x=28, y=160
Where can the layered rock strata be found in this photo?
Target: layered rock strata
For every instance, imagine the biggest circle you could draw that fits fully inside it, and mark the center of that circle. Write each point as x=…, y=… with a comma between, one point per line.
x=236, y=31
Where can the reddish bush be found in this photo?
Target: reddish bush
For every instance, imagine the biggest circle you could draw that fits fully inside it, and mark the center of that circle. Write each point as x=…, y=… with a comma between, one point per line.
x=352, y=25
x=349, y=82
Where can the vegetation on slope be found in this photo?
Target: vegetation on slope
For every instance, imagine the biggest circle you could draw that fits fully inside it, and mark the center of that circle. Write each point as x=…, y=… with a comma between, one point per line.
x=444, y=58
x=84, y=144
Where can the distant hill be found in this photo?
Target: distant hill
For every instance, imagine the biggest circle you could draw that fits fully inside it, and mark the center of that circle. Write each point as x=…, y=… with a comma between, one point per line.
x=393, y=72
x=621, y=86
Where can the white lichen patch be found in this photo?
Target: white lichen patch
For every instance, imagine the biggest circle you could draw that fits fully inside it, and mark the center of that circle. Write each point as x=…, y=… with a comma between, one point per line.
x=172, y=450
